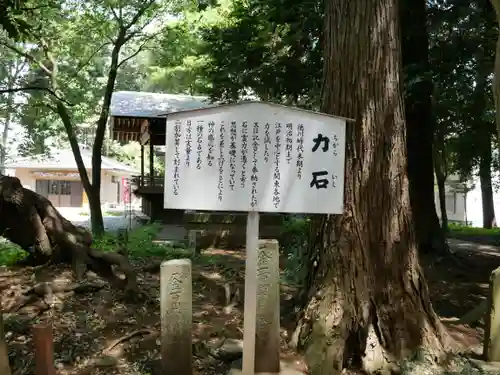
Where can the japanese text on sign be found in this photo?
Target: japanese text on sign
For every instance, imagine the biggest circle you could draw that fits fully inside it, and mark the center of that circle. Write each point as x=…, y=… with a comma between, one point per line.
x=266, y=160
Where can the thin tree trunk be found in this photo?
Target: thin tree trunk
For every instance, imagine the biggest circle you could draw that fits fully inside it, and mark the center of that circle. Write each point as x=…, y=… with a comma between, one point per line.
x=441, y=184
x=420, y=125
x=96, y=218
x=6, y=126
x=13, y=74
x=365, y=282
x=486, y=187
x=485, y=130
x=496, y=79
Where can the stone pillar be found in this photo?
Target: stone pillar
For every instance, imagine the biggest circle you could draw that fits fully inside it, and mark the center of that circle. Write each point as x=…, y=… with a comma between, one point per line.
x=176, y=317
x=492, y=331
x=267, y=333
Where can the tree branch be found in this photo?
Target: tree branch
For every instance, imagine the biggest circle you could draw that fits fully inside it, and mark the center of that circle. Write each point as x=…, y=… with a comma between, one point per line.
x=90, y=58
x=117, y=17
x=30, y=9
x=68, y=125
x=139, y=50
x=28, y=56
x=36, y=88
x=139, y=14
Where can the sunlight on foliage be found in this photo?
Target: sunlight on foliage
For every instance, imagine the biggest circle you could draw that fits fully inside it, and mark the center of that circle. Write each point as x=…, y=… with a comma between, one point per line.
x=10, y=253
x=476, y=231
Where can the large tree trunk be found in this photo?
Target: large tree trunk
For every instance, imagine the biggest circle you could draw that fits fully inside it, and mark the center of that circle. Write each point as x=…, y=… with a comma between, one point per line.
x=420, y=124
x=31, y=221
x=366, y=289
x=486, y=186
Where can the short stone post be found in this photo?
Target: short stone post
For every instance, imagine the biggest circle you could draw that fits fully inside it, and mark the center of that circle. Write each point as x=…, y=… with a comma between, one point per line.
x=492, y=323
x=267, y=332
x=176, y=317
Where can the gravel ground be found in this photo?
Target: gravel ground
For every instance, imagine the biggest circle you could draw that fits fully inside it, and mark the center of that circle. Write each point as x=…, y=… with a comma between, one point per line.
x=111, y=223
x=115, y=222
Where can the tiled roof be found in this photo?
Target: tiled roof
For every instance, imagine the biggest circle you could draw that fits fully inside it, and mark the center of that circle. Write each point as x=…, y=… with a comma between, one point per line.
x=64, y=159
x=148, y=104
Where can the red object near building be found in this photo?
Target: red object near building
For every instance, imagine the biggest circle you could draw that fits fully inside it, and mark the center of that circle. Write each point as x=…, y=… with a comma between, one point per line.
x=125, y=190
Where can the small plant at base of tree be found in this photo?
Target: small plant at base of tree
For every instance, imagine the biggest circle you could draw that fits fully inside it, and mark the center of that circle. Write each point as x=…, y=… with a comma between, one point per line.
x=10, y=253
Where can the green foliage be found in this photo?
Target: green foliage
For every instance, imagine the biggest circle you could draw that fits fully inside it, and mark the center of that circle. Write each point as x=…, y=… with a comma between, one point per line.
x=140, y=244
x=10, y=253
x=13, y=16
x=140, y=241
x=473, y=231
x=130, y=154
x=268, y=49
x=294, y=240
x=177, y=66
x=75, y=55
x=462, y=49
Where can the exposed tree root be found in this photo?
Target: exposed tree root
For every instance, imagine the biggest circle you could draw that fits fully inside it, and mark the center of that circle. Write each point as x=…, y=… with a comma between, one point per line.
x=474, y=315
x=46, y=291
x=121, y=340
x=31, y=221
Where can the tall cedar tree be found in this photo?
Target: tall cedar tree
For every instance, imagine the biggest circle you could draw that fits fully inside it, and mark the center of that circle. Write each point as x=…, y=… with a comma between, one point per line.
x=420, y=125
x=365, y=283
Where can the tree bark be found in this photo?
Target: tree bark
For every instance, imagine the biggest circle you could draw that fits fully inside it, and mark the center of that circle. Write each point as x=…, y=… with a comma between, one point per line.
x=420, y=125
x=367, y=292
x=93, y=192
x=29, y=220
x=95, y=198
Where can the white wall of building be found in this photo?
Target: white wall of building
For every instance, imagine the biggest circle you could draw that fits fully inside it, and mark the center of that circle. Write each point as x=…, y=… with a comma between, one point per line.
x=111, y=189
x=475, y=205
x=456, y=205
x=469, y=206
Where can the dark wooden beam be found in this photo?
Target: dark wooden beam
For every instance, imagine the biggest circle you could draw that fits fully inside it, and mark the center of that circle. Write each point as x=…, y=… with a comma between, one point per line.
x=141, y=180
x=151, y=162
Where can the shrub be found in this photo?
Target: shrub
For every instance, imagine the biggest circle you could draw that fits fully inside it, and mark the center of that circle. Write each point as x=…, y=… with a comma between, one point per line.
x=472, y=231
x=140, y=243
x=294, y=240
x=10, y=253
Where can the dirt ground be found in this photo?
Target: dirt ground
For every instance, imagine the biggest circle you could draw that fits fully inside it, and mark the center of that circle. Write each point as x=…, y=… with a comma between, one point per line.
x=458, y=287
x=100, y=333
